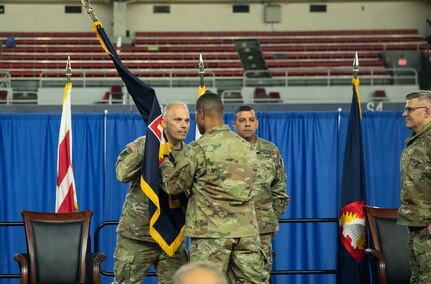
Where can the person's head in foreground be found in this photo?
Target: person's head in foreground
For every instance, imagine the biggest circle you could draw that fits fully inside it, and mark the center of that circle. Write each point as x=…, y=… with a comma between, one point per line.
x=199, y=272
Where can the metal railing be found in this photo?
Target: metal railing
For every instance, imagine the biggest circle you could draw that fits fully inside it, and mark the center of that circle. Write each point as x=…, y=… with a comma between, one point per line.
x=328, y=76
x=11, y=224
x=5, y=86
x=325, y=77
x=274, y=272
x=160, y=77
x=5, y=79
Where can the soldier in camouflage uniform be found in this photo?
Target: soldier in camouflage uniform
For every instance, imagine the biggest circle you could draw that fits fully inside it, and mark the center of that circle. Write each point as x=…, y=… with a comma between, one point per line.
x=271, y=200
x=218, y=174
x=415, y=205
x=136, y=250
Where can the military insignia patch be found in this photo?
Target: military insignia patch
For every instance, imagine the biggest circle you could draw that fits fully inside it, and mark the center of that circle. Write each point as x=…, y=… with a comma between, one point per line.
x=352, y=229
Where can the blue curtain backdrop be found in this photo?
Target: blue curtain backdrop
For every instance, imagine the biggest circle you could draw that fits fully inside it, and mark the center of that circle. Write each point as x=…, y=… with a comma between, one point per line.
x=311, y=143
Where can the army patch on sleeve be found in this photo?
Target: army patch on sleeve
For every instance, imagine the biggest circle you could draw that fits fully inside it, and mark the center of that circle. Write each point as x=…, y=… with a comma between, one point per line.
x=132, y=146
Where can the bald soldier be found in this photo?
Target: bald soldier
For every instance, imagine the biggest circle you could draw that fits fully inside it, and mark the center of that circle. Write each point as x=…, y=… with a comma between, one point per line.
x=136, y=250
x=218, y=173
x=199, y=272
x=271, y=200
x=415, y=165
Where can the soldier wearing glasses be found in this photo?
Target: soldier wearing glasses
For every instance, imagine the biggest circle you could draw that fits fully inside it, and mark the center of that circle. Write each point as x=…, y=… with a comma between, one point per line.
x=415, y=165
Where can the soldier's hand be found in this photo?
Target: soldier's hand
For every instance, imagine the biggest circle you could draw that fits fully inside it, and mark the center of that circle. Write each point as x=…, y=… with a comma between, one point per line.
x=168, y=149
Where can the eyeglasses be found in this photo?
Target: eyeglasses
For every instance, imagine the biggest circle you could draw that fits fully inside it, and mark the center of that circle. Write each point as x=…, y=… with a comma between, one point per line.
x=411, y=109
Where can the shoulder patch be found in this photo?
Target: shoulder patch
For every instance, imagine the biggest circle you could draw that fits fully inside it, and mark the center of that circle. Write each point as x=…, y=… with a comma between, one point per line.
x=132, y=146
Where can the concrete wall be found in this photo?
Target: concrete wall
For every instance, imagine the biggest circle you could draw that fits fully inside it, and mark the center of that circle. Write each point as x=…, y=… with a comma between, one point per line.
x=93, y=95
x=294, y=16
x=215, y=17
x=51, y=17
x=289, y=95
x=333, y=94
x=54, y=96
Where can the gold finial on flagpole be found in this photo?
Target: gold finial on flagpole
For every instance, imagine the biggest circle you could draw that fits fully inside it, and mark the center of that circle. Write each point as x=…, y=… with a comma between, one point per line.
x=89, y=9
x=68, y=70
x=201, y=70
x=355, y=65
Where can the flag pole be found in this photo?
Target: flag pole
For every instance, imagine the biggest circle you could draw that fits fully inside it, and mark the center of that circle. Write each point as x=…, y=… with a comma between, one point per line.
x=201, y=71
x=90, y=10
x=355, y=81
x=355, y=65
x=166, y=224
x=201, y=88
x=68, y=70
x=352, y=266
x=65, y=199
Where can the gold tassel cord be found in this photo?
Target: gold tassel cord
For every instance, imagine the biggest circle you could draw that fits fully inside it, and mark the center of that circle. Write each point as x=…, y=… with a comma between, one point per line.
x=96, y=26
x=355, y=82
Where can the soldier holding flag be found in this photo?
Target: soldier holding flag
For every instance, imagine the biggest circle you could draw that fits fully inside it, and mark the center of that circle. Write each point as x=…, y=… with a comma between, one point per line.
x=136, y=250
x=218, y=173
x=152, y=222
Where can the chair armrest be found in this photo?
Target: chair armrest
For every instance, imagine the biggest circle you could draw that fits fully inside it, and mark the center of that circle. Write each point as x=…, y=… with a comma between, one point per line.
x=93, y=261
x=378, y=256
x=370, y=252
x=22, y=259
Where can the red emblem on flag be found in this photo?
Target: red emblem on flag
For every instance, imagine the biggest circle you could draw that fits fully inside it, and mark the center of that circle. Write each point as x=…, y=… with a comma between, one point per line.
x=156, y=127
x=352, y=229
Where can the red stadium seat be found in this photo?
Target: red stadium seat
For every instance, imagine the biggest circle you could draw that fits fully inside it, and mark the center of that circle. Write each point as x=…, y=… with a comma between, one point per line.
x=275, y=96
x=282, y=50
x=3, y=95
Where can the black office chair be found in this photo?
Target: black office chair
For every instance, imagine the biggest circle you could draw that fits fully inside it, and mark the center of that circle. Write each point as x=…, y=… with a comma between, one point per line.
x=390, y=255
x=57, y=249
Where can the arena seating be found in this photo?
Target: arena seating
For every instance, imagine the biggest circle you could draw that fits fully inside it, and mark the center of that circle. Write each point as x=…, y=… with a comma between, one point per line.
x=176, y=54
x=3, y=96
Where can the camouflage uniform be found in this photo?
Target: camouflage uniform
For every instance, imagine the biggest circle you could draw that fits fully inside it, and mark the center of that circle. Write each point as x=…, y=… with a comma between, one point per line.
x=415, y=205
x=136, y=250
x=271, y=200
x=219, y=172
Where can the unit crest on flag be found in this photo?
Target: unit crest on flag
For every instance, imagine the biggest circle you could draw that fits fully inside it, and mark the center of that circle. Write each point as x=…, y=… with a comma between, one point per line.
x=352, y=231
